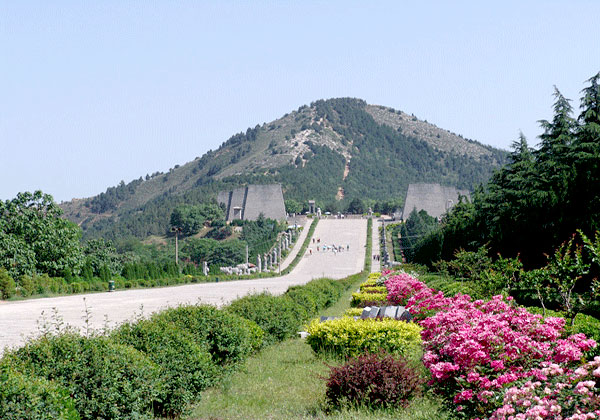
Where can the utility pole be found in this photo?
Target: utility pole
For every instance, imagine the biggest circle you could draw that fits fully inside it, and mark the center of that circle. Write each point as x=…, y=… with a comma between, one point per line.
x=177, y=231
x=246, y=255
x=280, y=256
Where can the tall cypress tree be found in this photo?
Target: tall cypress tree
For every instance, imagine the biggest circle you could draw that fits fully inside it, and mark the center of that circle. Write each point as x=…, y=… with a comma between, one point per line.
x=555, y=171
x=584, y=191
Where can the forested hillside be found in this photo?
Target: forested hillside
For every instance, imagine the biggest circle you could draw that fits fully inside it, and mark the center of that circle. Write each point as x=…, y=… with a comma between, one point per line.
x=335, y=151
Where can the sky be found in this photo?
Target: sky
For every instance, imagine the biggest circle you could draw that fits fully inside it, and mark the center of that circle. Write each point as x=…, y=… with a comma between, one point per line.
x=95, y=92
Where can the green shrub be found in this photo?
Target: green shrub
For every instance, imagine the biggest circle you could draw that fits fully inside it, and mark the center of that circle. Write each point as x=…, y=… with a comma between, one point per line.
x=316, y=295
x=450, y=287
x=306, y=298
x=106, y=380
x=76, y=287
x=186, y=367
x=346, y=337
x=25, y=397
x=7, y=284
x=279, y=316
x=229, y=339
x=25, y=286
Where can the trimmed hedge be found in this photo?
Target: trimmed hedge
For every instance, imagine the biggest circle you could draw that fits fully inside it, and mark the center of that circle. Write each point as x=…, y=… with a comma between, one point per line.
x=106, y=380
x=353, y=312
x=346, y=337
x=362, y=299
x=25, y=397
x=229, y=338
x=279, y=316
x=316, y=295
x=186, y=368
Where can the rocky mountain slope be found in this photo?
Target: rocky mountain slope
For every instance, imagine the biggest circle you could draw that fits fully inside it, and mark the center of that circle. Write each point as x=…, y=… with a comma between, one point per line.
x=331, y=150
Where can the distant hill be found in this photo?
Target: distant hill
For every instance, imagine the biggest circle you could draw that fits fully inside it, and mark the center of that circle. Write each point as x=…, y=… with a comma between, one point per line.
x=331, y=150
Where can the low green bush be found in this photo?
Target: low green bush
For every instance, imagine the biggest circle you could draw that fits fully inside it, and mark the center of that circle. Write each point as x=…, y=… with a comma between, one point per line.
x=346, y=337
x=186, y=367
x=279, y=316
x=308, y=299
x=450, y=287
x=229, y=338
x=106, y=380
x=316, y=295
x=25, y=397
x=8, y=287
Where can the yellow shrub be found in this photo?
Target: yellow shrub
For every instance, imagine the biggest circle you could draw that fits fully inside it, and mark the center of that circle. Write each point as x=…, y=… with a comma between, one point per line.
x=353, y=312
x=347, y=337
x=362, y=298
x=372, y=288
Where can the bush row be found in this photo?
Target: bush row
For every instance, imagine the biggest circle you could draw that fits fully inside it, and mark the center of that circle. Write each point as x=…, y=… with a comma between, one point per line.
x=27, y=286
x=152, y=367
x=281, y=317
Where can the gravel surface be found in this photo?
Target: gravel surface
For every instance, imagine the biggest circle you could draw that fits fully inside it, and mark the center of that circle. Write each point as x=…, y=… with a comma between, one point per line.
x=20, y=320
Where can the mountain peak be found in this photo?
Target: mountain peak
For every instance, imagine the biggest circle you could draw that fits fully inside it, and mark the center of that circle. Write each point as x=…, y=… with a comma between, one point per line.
x=329, y=150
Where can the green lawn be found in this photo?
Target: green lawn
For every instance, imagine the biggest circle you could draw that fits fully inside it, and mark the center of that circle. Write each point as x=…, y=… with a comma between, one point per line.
x=284, y=381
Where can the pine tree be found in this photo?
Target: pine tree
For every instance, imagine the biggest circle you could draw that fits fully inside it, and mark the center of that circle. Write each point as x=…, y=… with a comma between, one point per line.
x=584, y=190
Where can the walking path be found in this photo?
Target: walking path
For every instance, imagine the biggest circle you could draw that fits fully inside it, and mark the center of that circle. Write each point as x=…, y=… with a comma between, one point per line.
x=18, y=320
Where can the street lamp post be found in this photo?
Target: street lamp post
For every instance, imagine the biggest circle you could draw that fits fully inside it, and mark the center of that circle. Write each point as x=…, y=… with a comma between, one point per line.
x=177, y=231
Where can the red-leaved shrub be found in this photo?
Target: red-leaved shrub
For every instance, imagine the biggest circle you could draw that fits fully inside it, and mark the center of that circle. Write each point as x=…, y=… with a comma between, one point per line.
x=374, y=380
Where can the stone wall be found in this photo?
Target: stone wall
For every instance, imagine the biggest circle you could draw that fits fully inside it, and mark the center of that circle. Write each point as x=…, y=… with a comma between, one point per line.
x=435, y=199
x=254, y=200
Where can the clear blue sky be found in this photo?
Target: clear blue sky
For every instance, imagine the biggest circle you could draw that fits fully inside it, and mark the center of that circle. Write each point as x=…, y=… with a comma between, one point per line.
x=94, y=92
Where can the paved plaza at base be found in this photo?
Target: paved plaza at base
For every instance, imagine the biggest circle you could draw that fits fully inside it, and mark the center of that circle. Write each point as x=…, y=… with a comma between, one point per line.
x=19, y=320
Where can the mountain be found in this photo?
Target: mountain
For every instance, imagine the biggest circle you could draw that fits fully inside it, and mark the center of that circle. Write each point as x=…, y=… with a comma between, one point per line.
x=331, y=151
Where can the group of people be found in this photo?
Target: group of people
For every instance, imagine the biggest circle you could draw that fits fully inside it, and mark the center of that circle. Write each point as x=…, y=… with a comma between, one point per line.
x=334, y=248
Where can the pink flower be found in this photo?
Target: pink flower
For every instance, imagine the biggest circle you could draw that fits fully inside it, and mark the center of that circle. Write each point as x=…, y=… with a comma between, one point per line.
x=463, y=396
x=497, y=364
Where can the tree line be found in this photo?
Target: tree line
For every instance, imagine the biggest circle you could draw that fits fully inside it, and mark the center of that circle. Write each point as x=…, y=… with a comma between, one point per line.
x=540, y=199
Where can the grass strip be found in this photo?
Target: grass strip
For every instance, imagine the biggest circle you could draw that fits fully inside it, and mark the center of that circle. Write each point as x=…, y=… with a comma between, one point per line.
x=284, y=381
x=305, y=244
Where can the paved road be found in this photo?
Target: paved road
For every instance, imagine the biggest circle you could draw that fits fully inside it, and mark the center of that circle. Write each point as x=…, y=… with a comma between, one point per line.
x=18, y=320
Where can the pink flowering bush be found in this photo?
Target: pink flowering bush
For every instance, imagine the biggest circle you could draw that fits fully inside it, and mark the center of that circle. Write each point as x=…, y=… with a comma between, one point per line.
x=553, y=393
x=476, y=349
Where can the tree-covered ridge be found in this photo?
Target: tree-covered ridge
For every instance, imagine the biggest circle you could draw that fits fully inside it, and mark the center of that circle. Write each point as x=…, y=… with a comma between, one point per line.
x=542, y=197
x=330, y=150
